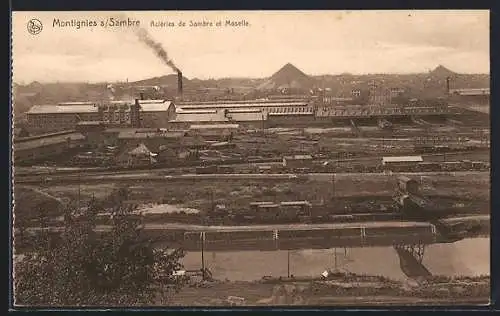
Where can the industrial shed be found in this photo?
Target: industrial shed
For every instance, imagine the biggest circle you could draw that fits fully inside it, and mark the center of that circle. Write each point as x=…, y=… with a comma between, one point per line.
x=60, y=117
x=400, y=162
x=152, y=139
x=247, y=117
x=29, y=149
x=213, y=131
x=297, y=161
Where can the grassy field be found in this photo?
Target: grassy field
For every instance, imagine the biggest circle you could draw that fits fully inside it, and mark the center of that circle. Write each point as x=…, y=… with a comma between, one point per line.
x=237, y=194
x=338, y=292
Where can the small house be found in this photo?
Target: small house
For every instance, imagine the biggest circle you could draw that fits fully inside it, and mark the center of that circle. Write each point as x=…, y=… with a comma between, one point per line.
x=141, y=156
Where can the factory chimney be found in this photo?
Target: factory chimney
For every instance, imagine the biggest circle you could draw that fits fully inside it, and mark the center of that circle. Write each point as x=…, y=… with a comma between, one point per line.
x=179, y=83
x=448, y=85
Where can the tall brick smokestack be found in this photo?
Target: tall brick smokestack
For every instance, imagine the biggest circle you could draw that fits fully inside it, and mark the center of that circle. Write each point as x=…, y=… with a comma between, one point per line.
x=448, y=85
x=179, y=83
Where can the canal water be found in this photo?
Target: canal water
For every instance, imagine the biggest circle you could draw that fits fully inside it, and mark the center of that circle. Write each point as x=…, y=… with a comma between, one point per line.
x=468, y=257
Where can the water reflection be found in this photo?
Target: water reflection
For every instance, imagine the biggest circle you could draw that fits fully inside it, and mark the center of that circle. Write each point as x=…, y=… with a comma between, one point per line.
x=466, y=257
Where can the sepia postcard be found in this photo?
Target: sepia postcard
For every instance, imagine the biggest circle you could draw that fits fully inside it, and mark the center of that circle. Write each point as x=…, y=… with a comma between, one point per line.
x=250, y=158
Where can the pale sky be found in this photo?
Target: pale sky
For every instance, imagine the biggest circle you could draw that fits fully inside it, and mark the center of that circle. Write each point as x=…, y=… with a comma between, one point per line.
x=317, y=42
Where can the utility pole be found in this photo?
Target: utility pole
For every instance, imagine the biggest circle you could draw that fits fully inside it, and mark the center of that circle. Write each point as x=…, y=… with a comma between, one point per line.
x=202, y=238
x=335, y=257
x=333, y=187
x=212, y=203
x=288, y=262
x=79, y=188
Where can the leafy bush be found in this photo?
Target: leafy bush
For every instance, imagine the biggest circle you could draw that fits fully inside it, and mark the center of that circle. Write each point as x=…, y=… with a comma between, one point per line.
x=85, y=267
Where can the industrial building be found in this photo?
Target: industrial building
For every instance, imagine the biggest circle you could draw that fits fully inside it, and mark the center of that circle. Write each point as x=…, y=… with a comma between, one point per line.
x=479, y=95
x=52, y=118
x=264, y=105
x=29, y=149
x=250, y=118
x=64, y=116
x=213, y=131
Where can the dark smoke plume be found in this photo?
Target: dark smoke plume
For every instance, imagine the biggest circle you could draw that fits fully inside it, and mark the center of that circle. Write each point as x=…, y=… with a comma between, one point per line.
x=146, y=38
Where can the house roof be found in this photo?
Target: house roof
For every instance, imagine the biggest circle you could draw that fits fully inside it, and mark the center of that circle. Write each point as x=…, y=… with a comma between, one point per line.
x=402, y=159
x=141, y=149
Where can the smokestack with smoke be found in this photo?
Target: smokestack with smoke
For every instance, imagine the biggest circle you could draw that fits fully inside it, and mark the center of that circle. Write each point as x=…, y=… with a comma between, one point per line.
x=146, y=38
x=179, y=83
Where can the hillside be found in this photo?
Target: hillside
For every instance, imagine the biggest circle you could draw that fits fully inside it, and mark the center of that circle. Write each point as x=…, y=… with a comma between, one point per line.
x=163, y=81
x=288, y=77
x=426, y=85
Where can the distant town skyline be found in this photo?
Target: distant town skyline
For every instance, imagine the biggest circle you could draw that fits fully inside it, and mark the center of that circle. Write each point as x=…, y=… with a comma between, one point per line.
x=316, y=42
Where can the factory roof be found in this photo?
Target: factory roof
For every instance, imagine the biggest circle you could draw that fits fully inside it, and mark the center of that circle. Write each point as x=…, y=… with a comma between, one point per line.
x=260, y=101
x=246, y=116
x=267, y=205
x=129, y=129
x=89, y=123
x=241, y=105
x=199, y=117
x=214, y=115
x=48, y=140
x=53, y=109
x=299, y=157
x=214, y=126
x=76, y=103
x=22, y=139
x=260, y=203
x=402, y=159
x=155, y=105
x=471, y=91
x=295, y=203
x=245, y=111
x=291, y=113
x=131, y=134
x=184, y=111
x=221, y=144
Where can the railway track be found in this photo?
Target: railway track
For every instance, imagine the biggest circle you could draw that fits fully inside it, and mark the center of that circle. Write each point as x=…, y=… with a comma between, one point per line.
x=153, y=176
x=26, y=174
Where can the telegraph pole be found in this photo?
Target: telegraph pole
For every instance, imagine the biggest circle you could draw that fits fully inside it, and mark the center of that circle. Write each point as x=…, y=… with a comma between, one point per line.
x=335, y=257
x=333, y=187
x=288, y=262
x=79, y=188
x=202, y=238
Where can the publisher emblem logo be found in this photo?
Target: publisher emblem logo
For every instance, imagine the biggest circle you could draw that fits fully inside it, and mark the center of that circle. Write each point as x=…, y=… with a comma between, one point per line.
x=34, y=26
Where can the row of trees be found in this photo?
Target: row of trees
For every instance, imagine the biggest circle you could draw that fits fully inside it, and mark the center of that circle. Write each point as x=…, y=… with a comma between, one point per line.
x=83, y=266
